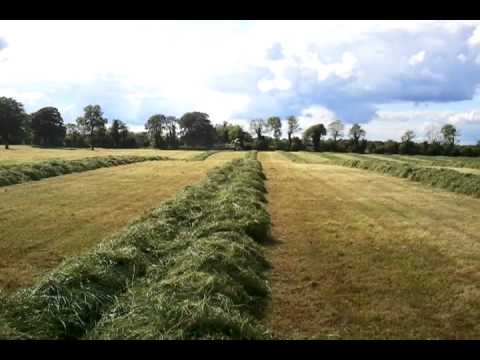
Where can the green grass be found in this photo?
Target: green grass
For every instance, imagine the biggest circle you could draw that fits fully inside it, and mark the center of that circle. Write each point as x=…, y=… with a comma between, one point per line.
x=19, y=154
x=203, y=155
x=447, y=179
x=225, y=212
x=359, y=255
x=15, y=174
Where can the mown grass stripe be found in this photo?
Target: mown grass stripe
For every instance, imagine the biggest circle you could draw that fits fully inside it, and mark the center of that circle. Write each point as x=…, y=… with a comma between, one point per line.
x=447, y=179
x=15, y=174
x=214, y=225
x=203, y=155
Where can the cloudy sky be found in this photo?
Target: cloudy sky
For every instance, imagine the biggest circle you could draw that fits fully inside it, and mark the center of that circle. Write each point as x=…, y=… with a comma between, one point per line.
x=390, y=76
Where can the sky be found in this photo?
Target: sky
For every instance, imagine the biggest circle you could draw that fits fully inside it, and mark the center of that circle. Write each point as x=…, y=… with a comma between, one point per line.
x=389, y=76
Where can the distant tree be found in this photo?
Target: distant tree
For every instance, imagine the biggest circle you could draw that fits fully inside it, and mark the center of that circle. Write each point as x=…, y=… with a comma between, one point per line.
x=407, y=146
x=115, y=132
x=449, y=134
x=155, y=126
x=197, y=130
x=171, y=126
x=74, y=137
x=293, y=127
x=237, y=135
x=335, y=129
x=356, y=133
x=315, y=133
x=48, y=128
x=257, y=127
x=222, y=132
x=12, y=119
x=274, y=125
x=93, y=123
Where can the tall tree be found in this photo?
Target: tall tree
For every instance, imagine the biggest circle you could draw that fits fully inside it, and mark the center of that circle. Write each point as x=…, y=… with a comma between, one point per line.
x=222, y=132
x=47, y=126
x=171, y=126
x=92, y=122
x=115, y=132
x=356, y=133
x=257, y=127
x=293, y=127
x=449, y=134
x=407, y=145
x=237, y=135
x=315, y=133
x=155, y=126
x=274, y=125
x=335, y=129
x=197, y=130
x=12, y=119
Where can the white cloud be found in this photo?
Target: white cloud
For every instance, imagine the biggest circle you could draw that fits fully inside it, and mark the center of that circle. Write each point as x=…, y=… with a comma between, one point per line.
x=417, y=58
x=462, y=58
x=474, y=40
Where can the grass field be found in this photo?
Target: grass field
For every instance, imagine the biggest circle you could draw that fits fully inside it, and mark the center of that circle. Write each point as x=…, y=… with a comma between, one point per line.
x=360, y=255
x=354, y=254
x=49, y=220
x=18, y=154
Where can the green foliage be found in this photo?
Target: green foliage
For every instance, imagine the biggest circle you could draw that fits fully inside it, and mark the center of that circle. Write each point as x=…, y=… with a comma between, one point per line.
x=197, y=130
x=93, y=123
x=191, y=269
x=47, y=127
x=15, y=174
x=314, y=134
x=12, y=119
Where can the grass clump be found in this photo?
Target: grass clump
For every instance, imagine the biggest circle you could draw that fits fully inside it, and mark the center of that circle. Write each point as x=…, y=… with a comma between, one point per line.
x=210, y=284
x=15, y=174
x=203, y=155
x=189, y=269
x=447, y=179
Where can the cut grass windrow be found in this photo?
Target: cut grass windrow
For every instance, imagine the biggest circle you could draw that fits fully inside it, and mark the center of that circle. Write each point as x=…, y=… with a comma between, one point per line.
x=447, y=179
x=15, y=174
x=203, y=155
x=190, y=269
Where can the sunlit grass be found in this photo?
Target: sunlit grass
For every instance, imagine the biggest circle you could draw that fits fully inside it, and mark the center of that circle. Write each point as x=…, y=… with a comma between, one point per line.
x=361, y=255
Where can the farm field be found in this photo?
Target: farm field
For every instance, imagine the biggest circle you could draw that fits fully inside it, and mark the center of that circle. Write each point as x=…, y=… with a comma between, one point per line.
x=27, y=154
x=353, y=254
x=47, y=221
x=361, y=255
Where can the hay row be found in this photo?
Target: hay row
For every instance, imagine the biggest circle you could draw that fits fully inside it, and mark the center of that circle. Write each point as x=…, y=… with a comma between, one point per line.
x=15, y=174
x=203, y=155
x=190, y=269
x=447, y=179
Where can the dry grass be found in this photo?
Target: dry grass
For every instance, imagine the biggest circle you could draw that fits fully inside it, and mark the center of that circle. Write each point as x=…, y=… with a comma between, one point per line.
x=18, y=154
x=47, y=221
x=361, y=255
x=226, y=156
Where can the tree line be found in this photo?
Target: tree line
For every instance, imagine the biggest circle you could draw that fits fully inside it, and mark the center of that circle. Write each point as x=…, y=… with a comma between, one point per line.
x=45, y=127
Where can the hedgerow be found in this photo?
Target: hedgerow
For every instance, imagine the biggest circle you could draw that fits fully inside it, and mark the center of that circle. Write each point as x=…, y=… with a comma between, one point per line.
x=468, y=184
x=15, y=174
x=190, y=269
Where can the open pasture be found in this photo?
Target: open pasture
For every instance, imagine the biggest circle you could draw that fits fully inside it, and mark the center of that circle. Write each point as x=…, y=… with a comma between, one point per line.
x=47, y=221
x=19, y=154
